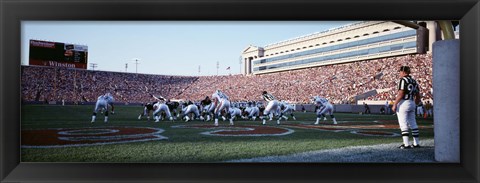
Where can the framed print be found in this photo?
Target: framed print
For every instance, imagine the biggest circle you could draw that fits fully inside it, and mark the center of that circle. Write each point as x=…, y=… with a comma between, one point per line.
x=52, y=84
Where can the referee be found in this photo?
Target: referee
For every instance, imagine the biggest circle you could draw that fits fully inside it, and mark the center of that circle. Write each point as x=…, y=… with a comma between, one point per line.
x=404, y=106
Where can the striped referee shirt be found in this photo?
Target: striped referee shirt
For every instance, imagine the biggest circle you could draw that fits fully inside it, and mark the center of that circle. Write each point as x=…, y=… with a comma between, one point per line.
x=409, y=86
x=268, y=97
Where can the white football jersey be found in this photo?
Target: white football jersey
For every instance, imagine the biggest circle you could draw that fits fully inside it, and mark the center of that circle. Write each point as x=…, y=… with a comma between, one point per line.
x=219, y=95
x=320, y=101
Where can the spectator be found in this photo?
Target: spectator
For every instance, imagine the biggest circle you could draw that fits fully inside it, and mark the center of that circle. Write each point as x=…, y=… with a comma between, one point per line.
x=367, y=108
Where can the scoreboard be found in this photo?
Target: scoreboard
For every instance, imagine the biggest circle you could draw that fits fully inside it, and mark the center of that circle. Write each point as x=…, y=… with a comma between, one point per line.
x=56, y=54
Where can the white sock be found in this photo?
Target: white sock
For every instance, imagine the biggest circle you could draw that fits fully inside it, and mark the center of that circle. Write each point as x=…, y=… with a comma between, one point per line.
x=416, y=141
x=93, y=118
x=106, y=118
x=334, y=121
x=405, y=140
x=318, y=119
x=264, y=121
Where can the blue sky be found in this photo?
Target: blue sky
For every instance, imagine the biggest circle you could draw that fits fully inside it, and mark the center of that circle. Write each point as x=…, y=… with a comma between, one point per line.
x=168, y=47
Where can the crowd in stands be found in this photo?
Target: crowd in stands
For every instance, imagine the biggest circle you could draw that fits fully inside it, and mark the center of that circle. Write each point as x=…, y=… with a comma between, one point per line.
x=73, y=85
x=339, y=83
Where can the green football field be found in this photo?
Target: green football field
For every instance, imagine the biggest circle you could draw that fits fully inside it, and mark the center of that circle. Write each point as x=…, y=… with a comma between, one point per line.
x=64, y=134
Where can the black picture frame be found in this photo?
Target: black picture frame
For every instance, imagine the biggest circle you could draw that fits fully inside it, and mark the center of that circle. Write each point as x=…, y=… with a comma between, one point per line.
x=13, y=12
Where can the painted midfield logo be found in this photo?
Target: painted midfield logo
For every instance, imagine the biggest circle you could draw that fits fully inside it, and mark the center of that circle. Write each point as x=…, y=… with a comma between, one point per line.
x=61, y=137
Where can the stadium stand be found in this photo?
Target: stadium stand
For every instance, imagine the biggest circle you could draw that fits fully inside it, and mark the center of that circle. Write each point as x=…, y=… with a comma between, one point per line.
x=340, y=83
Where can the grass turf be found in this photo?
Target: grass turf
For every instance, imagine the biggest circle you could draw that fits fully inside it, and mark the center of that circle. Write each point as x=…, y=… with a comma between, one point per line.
x=187, y=144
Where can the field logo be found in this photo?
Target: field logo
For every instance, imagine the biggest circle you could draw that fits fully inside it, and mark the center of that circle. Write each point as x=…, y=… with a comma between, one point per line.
x=240, y=131
x=61, y=137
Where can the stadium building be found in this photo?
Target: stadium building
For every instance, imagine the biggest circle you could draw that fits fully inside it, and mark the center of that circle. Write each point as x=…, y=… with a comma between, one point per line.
x=354, y=42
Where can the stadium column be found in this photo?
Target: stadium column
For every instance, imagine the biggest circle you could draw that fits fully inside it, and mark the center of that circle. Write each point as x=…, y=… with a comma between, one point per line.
x=432, y=34
x=446, y=91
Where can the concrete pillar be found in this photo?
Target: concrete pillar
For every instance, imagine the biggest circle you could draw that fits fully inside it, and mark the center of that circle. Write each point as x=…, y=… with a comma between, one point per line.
x=446, y=91
x=244, y=64
x=432, y=34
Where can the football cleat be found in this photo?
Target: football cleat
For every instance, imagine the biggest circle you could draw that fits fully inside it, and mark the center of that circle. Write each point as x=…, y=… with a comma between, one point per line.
x=416, y=146
x=405, y=147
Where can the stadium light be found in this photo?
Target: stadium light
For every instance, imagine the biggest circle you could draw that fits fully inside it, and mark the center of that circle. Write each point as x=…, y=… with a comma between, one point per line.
x=136, y=64
x=93, y=65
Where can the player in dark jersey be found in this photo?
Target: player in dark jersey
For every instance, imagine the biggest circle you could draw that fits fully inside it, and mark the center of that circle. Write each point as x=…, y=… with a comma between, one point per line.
x=206, y=108
x=147, y=109
x=173, y=107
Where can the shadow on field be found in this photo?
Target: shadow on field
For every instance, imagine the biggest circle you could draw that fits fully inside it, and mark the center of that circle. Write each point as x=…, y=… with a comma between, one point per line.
x=386, y=153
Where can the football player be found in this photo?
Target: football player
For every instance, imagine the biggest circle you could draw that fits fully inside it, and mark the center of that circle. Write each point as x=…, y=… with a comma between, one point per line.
x=206, y=107
x=251, y=112
x=188, y=108
x=221, y=102
x=234, y=112
x=287, y=108
x=324, y=107
x=147, y=109
x=173, y=107
x=102, y=103
x=161, y=107
x=271, y=106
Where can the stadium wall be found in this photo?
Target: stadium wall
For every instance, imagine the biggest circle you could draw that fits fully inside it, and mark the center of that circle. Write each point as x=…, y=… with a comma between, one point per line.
x=355, y=42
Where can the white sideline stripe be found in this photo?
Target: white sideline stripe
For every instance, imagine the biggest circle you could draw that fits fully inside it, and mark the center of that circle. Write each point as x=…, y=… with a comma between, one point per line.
x=374, y=153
